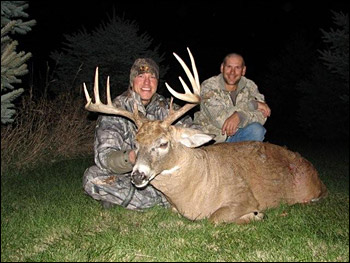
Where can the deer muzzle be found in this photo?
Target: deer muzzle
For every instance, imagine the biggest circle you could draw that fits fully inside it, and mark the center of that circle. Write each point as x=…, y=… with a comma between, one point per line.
x=141, y=175
x=139, y=179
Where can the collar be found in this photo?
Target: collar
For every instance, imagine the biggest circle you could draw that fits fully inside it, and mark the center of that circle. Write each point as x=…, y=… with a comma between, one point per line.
x=136, y=97
x=241, y=84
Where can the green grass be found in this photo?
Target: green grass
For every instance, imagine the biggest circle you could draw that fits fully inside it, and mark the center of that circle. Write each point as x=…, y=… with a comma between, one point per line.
x=45, y=216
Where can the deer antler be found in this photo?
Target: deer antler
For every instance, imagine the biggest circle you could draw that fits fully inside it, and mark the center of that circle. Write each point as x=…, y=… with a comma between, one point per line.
x=188, y=96
x=108, y=108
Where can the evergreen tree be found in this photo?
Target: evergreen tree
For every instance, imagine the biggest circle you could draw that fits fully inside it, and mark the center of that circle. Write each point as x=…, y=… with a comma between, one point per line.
x=324, y=105
x=12, y=63
x=113, y=47
x=336, y=58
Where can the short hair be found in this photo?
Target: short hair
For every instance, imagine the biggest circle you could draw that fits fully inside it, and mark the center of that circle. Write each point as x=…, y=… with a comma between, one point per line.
x=233, y=55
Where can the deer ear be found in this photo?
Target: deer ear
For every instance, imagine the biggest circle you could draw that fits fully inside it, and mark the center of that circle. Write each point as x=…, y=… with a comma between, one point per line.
x=190, y=137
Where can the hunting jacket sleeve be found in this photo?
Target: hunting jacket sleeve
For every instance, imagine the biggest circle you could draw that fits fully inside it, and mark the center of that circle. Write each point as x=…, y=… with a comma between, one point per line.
x=115, y=135
x=217, y=105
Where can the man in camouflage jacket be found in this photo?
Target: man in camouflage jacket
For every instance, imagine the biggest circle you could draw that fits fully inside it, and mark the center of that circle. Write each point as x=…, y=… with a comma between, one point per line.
x=109, y=180
x=232, y=107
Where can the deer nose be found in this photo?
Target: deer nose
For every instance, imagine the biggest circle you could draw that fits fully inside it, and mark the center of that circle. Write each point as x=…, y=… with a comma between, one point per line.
x=137, y=178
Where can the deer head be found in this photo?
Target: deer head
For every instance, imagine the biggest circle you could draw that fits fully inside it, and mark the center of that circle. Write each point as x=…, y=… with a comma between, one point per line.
x=157, y=142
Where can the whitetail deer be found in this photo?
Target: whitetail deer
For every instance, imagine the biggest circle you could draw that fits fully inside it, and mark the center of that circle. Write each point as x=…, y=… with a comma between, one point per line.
x=227, y=182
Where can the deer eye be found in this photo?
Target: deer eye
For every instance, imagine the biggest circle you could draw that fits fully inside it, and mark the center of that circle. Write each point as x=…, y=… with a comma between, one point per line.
x=163, y=145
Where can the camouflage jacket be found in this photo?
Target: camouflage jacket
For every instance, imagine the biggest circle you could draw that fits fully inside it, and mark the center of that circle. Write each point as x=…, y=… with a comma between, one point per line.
x=117, y=134
x=217, y=105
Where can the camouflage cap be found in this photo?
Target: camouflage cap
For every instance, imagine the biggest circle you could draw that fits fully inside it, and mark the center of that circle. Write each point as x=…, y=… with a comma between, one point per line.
x=143, y=65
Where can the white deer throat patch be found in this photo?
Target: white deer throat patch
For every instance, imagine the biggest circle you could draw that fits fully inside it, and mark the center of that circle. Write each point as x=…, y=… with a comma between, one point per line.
x=170, y=171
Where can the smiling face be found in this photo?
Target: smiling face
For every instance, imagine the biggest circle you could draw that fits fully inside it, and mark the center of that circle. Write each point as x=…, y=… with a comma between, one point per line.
x=145, y=84
x=144, y=75
x=232, y=69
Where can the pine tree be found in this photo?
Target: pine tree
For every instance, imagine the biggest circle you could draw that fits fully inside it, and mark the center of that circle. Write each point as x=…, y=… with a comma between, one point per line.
x=12, y=63
x=336, y=58
x=324, y=105
x=113, y=47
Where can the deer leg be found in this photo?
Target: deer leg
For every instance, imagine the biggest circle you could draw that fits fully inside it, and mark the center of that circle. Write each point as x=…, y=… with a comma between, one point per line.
x=234, y=213
x=247, y=218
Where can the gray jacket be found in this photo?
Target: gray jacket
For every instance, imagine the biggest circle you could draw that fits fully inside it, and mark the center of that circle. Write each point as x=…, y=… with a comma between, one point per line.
x=217, y=105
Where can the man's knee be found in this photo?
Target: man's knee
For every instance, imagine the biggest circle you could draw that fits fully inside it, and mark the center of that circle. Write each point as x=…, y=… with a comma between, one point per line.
x=257, y=131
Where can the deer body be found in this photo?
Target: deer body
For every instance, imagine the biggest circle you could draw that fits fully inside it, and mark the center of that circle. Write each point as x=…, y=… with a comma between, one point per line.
x=227, y=182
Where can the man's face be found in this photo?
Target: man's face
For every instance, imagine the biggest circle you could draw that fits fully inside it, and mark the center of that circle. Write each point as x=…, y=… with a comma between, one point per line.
x=233, y=70
x=145, y=85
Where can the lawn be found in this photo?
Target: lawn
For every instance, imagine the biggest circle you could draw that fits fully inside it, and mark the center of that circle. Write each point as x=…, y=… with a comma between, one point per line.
x=46, y=216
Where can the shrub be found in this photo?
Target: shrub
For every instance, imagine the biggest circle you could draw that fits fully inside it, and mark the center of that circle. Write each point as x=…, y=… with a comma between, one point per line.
x=47, y=130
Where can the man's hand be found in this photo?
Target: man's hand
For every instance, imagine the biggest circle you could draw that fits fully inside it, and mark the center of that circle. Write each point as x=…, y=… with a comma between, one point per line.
x=264, y=108
x=230, y=126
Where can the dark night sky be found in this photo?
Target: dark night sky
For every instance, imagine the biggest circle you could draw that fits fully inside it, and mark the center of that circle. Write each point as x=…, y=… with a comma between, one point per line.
x=256, y=29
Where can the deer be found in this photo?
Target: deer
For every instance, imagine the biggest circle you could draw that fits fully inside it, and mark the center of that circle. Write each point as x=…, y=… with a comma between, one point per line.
x=222, y=182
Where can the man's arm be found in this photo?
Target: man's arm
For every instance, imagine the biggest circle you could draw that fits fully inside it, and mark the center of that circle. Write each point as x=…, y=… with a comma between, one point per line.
x=114, y=142
x=251, y=105
x=264, y=108
x=216, y=106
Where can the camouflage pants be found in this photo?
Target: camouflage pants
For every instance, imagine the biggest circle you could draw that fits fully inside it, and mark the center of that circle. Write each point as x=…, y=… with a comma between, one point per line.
x=118, y=189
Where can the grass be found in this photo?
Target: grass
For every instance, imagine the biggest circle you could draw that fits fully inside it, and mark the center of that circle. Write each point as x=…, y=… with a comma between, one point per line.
x=45, y=216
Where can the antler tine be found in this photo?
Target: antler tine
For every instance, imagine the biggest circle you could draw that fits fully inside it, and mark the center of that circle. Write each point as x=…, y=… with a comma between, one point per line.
x=195, y=72
x=188, y=96
x=96, y=91
x=108, y=108
x=108, y=90
x=87, y=96
x=89, y=104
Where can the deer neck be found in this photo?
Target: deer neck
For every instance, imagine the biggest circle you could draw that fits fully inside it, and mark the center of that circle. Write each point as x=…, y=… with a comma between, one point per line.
x=186, y=172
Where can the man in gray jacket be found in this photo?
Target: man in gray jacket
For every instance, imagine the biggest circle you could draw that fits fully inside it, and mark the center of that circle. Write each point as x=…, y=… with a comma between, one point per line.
x=109, y=180
x=232, y=107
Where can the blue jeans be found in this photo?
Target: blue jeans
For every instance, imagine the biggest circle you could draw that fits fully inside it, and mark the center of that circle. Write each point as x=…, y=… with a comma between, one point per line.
x=252, y=132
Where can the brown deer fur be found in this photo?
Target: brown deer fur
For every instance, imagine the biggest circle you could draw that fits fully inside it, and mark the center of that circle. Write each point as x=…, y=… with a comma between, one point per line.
x=227, y=182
